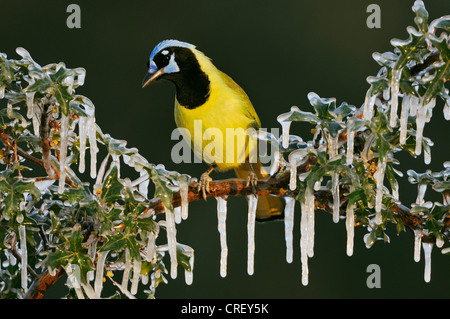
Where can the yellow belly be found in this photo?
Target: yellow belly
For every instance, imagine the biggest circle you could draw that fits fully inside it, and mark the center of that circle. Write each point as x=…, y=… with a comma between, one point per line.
x=219, y=129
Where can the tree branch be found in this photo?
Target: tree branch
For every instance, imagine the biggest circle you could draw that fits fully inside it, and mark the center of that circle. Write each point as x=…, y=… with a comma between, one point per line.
x=279, y=186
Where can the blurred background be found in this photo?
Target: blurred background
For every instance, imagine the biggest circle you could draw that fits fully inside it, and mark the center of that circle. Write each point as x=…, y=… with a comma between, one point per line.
x=278, y=51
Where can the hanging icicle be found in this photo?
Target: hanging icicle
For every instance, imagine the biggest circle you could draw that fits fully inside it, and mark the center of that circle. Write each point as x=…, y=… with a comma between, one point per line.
x=427, y=248
x=289, y=226
x=221, y=226
x=379, y=177
x=395, y=88
x=63, y=151
x=252, y=204
x=172, y=242
x=304, y=243
x=23, y=256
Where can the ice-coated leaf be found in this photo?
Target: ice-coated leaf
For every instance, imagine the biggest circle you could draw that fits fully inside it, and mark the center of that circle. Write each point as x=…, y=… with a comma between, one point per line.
x=323, y=106
x=112, y=187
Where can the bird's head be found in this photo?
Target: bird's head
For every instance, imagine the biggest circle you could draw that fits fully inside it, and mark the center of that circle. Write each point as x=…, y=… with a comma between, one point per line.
x=167, y=59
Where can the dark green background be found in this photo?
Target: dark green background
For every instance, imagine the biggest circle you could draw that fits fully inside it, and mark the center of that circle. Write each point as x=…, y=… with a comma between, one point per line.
x=278, y=51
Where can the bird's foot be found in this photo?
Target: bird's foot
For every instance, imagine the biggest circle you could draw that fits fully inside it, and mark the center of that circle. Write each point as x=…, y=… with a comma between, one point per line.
x=203, y=184
x=252, y=180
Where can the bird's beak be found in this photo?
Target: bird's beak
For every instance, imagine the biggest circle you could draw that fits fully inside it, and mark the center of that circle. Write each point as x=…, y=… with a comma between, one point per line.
x=151, y=77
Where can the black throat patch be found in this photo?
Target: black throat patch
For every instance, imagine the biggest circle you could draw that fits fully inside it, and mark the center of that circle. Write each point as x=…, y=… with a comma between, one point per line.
x=191, y=82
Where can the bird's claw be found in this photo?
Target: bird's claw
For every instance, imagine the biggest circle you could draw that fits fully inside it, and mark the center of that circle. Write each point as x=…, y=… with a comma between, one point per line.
x=203, y=184
x=252, y=180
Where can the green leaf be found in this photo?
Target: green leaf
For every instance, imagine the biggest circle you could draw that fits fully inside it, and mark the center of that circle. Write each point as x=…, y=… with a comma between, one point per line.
x=112, y=187
x=60, y=75
x=183, y=259
x=40, y=85
x=434, y=227
x=163, y=192
x=442, y=74
x=63, y=97
x=119, y=241
x=322, y=106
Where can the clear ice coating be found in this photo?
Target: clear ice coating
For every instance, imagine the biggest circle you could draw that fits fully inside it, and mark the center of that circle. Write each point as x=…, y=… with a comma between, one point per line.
x=395, y=87
x=350, y=227
x=289, y=226
x=252, y=203
x=427, y=248
x=221, y=226
x=184, y=192
x=126, y=270
x=82, y=133
x=30, y=104
x=136, y=275
x=304, y=244
x=172, y=242
x=98, y=283
x=421, y=119
x=417, y=244
x=335, y=193
x=309, y=209
x=285, y=125
x=404, y=118
x=379, y=177
x=369, y=103
x=293, y=177
x=23, y=256
x=63, y=152
x=350, y=142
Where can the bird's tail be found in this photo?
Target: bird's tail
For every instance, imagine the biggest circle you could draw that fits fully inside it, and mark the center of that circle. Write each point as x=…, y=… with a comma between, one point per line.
x=269, y=206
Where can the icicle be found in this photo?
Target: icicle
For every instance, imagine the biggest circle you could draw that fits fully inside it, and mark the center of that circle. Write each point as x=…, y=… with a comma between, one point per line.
x=23, y=256
x=177, y=213
x=293, y=179
x=420, y=123
x=172, y=242
x=421, y=189
x=309, y=209
x=289, y=226
x=252, y=203
x=82, y=133
x=379, y=177
x=136, y=275
x=417, y=242
x=126, y=271
x=92, y=131
x=221, y=225
x=350, y=142
x=151, y=249
x=427, y=248
x=350, y=227
x=189, y=252
x=63, y=152
x=414, y=105
x=30, y=104
x=368, y=105
x=184, y=192
x=446, y=109
x=335, y=193
x=304, y=243
x=73, y=279
x=404, y=118
x=276, y=162
x=395, y=87
x=98, y=284
x=285, y=126
x=2, y=92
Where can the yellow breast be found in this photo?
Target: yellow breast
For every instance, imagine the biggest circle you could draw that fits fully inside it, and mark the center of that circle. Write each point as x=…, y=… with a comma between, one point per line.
x=218, y=129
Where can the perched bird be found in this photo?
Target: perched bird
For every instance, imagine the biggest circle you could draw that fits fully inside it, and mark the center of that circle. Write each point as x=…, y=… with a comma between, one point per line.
x=204, y=93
